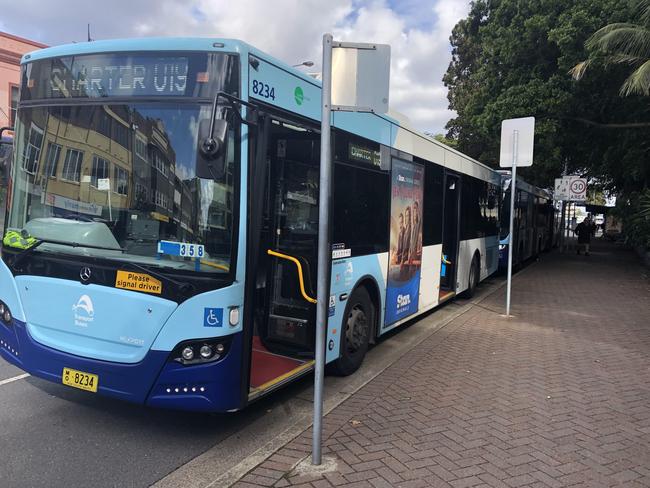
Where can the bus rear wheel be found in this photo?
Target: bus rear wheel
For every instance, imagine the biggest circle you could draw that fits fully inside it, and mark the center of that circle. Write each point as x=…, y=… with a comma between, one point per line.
x=473, y=279
x=358, y=322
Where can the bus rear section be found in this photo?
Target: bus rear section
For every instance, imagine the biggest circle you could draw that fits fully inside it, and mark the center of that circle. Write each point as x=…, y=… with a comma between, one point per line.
x=534, y=222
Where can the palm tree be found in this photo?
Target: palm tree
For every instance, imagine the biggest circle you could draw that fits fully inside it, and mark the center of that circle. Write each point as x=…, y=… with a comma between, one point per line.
x=623, y=43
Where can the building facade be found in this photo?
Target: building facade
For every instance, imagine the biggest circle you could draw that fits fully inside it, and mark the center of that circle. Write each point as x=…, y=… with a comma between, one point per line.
x=12, y=49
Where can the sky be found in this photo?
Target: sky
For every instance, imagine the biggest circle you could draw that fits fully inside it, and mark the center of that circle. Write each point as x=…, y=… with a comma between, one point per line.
x=291, y=30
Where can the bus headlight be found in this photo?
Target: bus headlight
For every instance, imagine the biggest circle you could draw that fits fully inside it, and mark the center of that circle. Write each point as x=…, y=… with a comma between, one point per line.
x=188, y=353
x=502, y=247
x=5, y=314
x=206, y=351
x=200, y=351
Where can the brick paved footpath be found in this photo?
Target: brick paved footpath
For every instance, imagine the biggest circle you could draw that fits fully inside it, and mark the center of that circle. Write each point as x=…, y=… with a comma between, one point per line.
x=558, y=396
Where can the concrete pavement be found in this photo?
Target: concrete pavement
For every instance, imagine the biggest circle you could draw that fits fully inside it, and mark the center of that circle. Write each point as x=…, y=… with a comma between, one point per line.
x=56, y=436
x=559, y=395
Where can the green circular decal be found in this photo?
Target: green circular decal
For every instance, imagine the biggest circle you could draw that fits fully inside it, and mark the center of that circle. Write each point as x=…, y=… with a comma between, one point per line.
x=298, y=95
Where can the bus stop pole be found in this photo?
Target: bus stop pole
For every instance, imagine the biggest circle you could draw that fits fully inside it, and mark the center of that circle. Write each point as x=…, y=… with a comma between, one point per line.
x=513, y=195
x=324, y=249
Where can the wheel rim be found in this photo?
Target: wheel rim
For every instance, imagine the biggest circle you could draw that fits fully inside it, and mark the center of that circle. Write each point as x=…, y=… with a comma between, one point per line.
x=356, y=328
x=472, y=276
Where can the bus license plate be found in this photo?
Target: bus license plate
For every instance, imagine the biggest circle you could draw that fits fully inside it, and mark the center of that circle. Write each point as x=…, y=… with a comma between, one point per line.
x=79, y=379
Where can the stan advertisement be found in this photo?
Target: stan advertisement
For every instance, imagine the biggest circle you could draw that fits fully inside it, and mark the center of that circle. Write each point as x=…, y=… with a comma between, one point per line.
x=405, y=256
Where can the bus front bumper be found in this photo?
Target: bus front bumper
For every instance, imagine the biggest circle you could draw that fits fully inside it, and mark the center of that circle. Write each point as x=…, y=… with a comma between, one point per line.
x=155, y=381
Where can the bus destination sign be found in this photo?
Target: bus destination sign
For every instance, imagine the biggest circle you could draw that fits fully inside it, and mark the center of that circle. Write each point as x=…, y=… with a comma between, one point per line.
x=112, y=76
x=363, y=154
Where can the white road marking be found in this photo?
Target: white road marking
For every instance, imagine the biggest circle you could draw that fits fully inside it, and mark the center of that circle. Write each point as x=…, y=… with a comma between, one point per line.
x=15, y=378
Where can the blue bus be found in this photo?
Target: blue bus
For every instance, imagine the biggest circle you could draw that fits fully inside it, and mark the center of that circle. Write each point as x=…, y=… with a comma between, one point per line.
x=161, y=235
x=535, y=221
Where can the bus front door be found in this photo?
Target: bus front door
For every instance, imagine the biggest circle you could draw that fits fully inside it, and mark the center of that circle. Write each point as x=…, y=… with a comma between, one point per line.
x=283, y=342
x=292, y=266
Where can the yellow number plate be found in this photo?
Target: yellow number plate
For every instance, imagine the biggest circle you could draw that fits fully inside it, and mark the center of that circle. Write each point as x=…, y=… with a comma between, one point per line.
x=79, y=379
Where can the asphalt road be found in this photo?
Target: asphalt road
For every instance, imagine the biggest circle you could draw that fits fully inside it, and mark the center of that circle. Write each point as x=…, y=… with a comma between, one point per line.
x=54, y=436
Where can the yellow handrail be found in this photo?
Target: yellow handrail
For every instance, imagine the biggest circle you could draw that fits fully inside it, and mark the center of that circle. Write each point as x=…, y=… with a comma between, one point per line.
x=215, y=265
x=300, y=278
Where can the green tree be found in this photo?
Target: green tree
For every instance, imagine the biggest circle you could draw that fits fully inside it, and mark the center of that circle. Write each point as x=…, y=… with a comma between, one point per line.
x=623, y=43
x=511, y=58
x=445, y=140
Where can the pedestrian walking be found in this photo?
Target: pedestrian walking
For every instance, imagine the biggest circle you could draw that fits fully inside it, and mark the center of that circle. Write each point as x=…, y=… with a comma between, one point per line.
x=584, y=230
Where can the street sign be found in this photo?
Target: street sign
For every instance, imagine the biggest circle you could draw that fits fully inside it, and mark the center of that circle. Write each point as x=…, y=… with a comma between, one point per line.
x=578, y=190
x=571, y=188
x=103, y=184
x=360, y=77
x=523, y=130
x=355, y=78
x=517, y=140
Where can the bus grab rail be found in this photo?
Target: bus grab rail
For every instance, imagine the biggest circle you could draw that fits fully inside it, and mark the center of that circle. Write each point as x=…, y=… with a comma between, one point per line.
x=300, y=275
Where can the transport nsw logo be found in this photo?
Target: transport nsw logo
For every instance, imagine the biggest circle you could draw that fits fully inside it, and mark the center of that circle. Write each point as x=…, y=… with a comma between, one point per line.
x=84, y=311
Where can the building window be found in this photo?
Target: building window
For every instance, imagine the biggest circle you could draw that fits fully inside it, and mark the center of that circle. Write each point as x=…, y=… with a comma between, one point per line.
x=100, y=170
x=121, y=177
x=32, y=151
x=141, y=148
x=14, y=105
x=161, y=199
x=52, y=159
x=104, y=125
x=159, y=164
x=72, y=165
x=121, y=134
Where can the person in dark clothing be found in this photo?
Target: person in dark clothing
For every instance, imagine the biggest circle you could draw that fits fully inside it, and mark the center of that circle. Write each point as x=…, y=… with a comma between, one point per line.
x=584, y=230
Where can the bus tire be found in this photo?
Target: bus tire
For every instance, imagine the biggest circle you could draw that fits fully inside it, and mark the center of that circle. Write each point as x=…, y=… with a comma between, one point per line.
x=358, y=324
x=473, y=278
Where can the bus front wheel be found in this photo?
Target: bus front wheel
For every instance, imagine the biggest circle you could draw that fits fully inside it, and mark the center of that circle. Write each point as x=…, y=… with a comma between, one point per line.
x=358, y=322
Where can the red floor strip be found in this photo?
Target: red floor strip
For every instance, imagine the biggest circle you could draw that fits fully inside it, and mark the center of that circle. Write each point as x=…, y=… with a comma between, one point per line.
x=267, y=366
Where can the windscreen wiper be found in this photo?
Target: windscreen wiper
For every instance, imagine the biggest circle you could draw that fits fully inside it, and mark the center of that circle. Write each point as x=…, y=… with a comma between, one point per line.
x=183, y=286
x=19, y=257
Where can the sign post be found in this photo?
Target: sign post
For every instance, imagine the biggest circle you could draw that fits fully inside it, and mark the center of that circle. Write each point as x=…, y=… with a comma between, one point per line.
x=517, y=139
x=355, y=77
x=104, y=184
x=569, y=189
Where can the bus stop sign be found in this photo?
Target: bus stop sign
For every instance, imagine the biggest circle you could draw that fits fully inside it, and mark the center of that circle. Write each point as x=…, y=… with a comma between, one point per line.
x=360, y=77
x=517, y=138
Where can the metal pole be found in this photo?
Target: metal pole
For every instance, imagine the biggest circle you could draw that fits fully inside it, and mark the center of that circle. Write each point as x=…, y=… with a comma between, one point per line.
x=324, y=249
x=562, y=226
x=513, y=195
x=110, y=208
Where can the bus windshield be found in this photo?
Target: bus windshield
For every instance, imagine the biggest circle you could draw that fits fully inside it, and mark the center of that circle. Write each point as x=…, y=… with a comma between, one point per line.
x=120, y=178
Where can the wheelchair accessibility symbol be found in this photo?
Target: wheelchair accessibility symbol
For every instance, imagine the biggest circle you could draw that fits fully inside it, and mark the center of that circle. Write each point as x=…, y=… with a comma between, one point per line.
x=212, y=317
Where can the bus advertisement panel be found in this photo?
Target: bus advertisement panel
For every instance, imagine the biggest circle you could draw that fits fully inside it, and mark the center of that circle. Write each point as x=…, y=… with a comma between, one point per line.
x=405, y=241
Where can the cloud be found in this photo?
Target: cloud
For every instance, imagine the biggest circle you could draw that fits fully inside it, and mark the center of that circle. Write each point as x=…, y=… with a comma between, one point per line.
x=291, y=30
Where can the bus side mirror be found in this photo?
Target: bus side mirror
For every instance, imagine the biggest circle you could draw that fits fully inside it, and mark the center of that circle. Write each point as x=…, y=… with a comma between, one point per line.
x=211, y=154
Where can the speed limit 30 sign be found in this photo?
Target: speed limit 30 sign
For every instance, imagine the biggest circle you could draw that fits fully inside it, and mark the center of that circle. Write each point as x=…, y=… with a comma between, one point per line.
x=572, y=188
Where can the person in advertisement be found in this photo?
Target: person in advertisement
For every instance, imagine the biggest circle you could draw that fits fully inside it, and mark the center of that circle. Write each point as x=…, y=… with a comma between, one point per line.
x=405, y=254
x=415, y=254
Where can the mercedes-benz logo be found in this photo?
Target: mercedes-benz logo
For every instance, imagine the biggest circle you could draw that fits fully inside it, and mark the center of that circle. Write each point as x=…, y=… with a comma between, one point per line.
x=85, y=273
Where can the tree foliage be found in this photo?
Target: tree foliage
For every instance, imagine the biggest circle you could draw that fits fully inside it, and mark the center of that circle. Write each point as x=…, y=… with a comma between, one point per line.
x=511, y=58
x=623, y=43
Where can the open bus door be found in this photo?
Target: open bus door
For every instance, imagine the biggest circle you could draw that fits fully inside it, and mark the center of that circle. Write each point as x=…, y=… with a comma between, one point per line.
x=450, y=235
x=285, y=310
